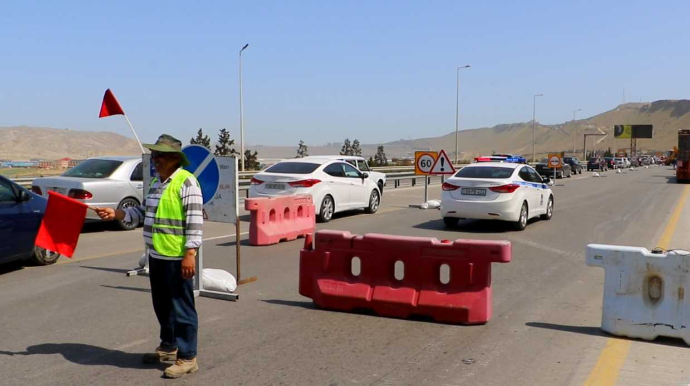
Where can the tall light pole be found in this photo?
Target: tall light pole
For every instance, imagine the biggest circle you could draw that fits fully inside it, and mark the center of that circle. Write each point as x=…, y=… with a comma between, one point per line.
x=457, y=108
x=534, y=129
x=574, y=112
x=241, y=111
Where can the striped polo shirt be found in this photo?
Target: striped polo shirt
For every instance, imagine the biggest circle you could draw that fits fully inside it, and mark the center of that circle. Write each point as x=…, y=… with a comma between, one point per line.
x=193, y=203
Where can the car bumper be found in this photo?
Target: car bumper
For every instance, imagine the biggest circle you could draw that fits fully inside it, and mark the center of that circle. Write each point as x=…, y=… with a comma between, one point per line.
x=508, y=210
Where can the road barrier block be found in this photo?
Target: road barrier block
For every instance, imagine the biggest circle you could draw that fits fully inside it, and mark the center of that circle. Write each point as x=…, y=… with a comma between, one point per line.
x=644, y=292
x=280, y=218
x=448, y=281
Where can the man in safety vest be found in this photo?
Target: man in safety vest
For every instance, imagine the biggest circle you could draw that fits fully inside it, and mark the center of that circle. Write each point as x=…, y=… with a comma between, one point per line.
x=172, y=214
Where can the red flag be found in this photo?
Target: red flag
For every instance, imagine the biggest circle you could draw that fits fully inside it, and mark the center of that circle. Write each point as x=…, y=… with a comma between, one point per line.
x=110, y=105
x=61, y=225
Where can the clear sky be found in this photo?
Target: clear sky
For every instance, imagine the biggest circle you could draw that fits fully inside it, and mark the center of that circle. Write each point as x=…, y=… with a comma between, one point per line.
x=324, y=70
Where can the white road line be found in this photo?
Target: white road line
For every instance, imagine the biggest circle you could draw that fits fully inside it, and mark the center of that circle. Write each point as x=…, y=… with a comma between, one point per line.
x=224, y=236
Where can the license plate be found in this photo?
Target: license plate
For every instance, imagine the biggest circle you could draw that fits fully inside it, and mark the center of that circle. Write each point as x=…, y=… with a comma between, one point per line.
x=275, y=186
x=473, y=192
x=59, y=190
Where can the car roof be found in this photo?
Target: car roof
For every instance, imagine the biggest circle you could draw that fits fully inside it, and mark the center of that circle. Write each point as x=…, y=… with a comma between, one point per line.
x=118, y=158
x=311, y=160
x=510, y=165
x=338, y=157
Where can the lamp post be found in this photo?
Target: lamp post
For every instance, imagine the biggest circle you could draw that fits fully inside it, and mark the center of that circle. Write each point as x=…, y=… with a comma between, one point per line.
x=457, y=109
x=534, y=129
x=574, y=112
x=241, y=112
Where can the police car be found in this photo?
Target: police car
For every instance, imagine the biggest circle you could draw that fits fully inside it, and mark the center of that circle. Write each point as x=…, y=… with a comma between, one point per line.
x=496, y=191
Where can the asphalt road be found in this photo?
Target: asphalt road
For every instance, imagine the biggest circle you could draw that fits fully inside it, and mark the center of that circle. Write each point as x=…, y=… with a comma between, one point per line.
x=83, y=322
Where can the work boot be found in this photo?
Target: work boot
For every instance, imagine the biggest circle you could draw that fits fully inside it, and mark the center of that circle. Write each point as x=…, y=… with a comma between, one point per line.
x=159, y=355
x=182, y=367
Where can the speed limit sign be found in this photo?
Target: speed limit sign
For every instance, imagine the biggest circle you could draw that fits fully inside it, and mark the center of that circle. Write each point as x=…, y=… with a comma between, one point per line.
x=424, y=161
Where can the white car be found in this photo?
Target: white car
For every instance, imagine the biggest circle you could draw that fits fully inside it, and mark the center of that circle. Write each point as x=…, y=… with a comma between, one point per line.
x=361, y=164
x=334, y=185
x=496, y=191
x=111, y=182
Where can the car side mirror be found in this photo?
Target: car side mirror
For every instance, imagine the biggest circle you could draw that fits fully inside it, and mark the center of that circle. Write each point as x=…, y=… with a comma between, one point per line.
x=545, y=179
x=365, y=175
x=24, y=196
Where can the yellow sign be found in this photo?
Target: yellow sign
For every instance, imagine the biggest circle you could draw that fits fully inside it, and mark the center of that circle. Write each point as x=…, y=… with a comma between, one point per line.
x=622, y=131
x=555, y=161
x=424, y=161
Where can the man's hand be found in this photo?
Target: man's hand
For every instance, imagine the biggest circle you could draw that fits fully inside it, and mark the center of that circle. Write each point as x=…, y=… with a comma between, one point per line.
x=108, y=214
x=189, y=264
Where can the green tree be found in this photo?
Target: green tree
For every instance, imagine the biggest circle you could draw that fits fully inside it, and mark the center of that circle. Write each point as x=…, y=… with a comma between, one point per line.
x=381, y=159
x=347, y=147
x=251, y=161
x=302, y=150
x=201, y=139
x=356, y=150
x=224, y=145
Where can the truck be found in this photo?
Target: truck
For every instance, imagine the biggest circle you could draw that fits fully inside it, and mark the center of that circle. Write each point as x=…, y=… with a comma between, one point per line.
x=683, y=156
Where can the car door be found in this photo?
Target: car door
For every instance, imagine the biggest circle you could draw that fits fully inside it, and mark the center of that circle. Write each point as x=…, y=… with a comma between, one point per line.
x=136, y=181
x=541, y=192
x=339, y=185
x=18, y=223
x=530, y=189
x=359, y=190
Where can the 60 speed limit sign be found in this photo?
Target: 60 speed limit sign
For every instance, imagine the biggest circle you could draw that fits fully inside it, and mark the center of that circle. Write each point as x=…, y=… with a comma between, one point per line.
x=424, y=161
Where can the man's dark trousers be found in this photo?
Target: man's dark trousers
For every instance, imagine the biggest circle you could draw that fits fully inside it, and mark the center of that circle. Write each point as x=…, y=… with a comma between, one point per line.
x=173, y=302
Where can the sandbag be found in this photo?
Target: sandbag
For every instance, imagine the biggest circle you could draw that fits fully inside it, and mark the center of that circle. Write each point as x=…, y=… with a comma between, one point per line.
x=218, y=280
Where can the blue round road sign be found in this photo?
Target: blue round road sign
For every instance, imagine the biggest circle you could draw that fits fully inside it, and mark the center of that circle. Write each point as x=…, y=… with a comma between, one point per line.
x=204, y=166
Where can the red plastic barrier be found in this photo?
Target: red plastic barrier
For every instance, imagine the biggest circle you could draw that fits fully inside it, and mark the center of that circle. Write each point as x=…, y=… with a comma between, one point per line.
x=280, y=218
x=326, y=275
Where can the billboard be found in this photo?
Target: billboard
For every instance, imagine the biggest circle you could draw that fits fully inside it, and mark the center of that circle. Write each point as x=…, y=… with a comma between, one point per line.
x=632, y=131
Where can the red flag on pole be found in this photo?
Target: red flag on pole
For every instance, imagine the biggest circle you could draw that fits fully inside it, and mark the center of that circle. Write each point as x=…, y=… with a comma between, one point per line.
x=61, y=225
x=110, y=105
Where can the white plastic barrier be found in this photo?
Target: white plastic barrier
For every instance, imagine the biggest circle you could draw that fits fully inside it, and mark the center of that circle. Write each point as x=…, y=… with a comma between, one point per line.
x=644, y=292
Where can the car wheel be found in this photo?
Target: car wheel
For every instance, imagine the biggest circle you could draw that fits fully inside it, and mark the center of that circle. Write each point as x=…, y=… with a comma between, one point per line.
x=549, y=210
x=327, y=209
x=521, y=223
x=374, y=202
x=381, y=187
x=450, y=222
x=43, y=256
x=124, y=204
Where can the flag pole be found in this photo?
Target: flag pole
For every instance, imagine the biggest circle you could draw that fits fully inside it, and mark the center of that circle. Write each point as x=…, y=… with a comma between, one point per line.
x=135, y=133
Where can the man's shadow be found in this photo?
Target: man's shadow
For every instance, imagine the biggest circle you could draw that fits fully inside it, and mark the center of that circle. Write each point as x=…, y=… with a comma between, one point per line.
x=87, y=355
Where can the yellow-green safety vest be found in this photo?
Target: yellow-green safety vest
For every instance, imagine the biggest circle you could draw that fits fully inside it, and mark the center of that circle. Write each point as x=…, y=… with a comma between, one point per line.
x=168, y=231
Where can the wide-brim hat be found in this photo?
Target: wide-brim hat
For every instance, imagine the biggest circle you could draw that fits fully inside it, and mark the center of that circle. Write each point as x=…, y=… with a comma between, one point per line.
x=168, y=144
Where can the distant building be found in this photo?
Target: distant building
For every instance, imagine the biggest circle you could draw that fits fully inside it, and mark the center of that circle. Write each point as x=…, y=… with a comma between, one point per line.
x=62, y=163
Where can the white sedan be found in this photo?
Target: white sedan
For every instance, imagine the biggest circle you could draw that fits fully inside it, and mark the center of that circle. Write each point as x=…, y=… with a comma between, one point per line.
x=334, y=185
x=496, y=191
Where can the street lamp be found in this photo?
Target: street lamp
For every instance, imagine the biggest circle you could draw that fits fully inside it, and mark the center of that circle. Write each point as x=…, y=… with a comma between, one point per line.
x=574, y=111
x=534, y=129
x=457, y=108
x=241, y=118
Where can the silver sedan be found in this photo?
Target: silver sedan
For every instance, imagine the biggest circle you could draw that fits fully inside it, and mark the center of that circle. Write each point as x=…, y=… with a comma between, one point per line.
x=112, y=182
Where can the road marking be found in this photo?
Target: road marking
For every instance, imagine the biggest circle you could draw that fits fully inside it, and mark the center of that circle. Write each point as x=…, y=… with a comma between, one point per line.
x=61, y=262
x=612, y=357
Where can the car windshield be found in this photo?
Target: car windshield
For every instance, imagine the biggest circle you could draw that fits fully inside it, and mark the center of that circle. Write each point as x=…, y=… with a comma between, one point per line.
x=93, y=168
x=485, y=172
x=293, y=168
x=594, y=160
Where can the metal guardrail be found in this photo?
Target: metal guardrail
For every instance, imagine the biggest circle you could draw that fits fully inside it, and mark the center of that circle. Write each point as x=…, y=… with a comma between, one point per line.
x=401, y=173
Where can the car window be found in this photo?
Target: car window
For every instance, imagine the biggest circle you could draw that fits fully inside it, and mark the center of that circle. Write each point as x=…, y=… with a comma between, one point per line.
x=535, y=176
x=485, y=172
x=93, y=168
x=138, y=173
x=7, y=193
x=363, y=166
x=352, y=162
x=525, y=175
x=334, y=170
x=351, y=172
x=293, y=168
